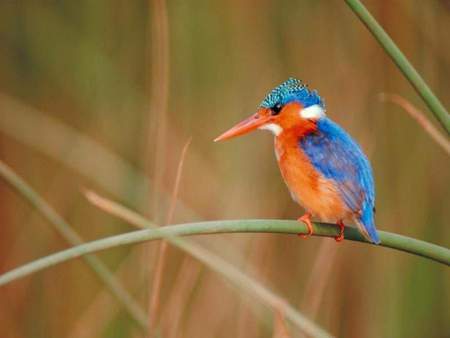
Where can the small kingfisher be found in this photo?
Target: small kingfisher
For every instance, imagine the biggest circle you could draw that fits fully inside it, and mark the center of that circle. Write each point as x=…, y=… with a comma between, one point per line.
x=325, y=170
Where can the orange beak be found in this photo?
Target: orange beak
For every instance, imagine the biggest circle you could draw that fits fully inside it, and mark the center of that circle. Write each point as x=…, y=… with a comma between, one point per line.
x=249, y=124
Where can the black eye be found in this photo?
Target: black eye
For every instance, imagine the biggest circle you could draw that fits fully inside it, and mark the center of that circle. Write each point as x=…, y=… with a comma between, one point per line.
x=276, y=109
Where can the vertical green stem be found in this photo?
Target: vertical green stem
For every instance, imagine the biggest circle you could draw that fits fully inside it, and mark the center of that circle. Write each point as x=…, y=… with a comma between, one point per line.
x=402, y=63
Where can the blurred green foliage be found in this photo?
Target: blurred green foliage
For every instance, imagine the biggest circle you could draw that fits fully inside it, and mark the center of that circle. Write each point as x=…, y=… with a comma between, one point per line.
x=88, y=65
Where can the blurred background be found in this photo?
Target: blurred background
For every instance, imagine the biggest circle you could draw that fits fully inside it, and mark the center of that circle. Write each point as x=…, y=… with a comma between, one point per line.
x=105, y=94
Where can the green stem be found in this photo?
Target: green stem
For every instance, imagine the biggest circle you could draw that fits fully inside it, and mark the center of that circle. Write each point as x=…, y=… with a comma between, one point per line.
x=65, y=230
x=214, y=262
x=243, y=282
x=390, y=240
x=402, y=63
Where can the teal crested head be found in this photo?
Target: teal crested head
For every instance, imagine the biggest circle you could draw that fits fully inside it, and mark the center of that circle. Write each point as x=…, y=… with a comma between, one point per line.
x=292, y=90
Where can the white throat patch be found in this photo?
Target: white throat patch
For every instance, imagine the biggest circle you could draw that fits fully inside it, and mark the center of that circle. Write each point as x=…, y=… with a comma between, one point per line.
x=274, y=128
x=312, y=112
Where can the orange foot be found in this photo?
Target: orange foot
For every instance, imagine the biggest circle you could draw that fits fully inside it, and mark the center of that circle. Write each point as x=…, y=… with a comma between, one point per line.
x=306, y=219
x=340, y=237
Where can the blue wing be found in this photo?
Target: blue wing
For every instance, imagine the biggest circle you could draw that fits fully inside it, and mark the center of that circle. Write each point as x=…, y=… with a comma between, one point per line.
x=338, y=157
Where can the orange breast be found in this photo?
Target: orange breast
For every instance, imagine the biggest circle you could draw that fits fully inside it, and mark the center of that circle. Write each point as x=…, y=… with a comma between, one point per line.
x=309, y=188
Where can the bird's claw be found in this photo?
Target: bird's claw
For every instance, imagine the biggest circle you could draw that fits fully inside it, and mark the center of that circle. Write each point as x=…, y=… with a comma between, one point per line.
x=306, y=219
x=340, y=237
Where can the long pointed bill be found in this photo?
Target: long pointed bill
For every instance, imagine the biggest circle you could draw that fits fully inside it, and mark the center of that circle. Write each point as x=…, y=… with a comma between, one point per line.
x=249, y=124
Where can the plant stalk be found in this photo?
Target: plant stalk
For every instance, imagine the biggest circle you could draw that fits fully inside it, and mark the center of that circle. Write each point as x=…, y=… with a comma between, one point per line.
x=402, y=63
x=390, y=240
x=66, y=231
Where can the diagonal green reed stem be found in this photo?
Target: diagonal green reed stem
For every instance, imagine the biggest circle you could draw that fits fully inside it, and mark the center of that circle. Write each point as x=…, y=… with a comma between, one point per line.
x=171, y=233
x=214, y=262
x=66, y=231
x=402, y=63
x=389, y=240
x=244, y=282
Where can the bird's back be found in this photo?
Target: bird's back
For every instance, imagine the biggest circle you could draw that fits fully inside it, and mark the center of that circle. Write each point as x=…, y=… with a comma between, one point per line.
x=336, y=156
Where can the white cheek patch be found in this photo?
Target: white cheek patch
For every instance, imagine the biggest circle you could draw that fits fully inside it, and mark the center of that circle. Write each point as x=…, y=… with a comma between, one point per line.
x=312, y=112
x=274, y=128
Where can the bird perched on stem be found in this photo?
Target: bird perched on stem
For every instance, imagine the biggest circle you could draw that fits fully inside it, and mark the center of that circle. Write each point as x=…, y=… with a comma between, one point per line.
x=324, y=168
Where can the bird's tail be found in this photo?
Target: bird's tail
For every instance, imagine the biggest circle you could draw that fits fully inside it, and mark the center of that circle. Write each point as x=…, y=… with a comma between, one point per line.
x=366, y=225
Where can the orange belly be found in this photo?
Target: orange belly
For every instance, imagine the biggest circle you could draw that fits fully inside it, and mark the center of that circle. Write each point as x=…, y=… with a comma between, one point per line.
x=316, y=194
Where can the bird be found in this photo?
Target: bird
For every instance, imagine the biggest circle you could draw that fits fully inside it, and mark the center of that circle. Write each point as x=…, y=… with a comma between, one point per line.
x=324, y=168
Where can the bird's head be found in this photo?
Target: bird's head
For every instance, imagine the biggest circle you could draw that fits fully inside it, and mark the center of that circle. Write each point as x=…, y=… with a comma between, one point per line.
x=290, y=106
